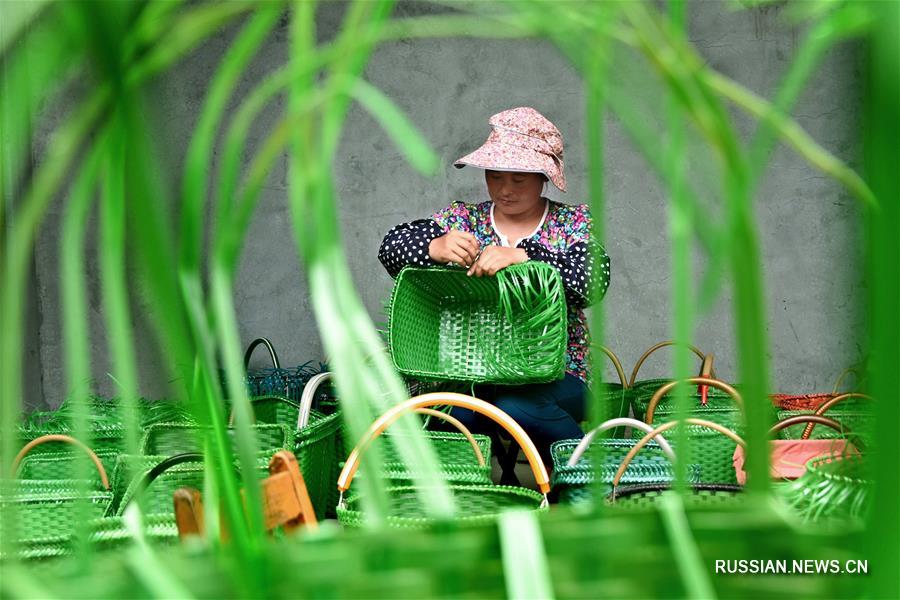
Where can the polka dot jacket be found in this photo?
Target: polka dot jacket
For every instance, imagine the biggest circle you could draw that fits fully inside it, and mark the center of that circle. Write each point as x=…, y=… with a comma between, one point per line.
x=563, y=240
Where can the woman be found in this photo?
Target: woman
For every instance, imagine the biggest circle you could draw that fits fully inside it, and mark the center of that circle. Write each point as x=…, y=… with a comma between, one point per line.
x=523, y=152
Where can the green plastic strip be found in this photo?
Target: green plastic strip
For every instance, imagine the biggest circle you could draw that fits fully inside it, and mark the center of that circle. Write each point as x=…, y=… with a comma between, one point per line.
x=687, y=556
x=524, y=560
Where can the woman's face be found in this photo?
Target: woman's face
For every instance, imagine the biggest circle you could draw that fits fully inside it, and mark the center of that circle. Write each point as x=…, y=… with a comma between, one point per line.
x=514, y=193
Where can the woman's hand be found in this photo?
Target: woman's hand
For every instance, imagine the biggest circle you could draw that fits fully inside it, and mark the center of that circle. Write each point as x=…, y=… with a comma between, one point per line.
x=455, y=246
x=494, y=258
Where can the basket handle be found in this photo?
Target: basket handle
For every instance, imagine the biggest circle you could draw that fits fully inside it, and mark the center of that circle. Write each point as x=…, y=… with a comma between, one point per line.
x=840, y=379
x=453, y=399
x=665, y=427
x=665, y=389
x=308, y=395
x=827, y=406
x=588, y=438
x=160, y=468
x=615, y=361
x=459, y=425
x=797, y=419
x=56, y=437
x=263, y=399
x=268, y=345
x=658, y=346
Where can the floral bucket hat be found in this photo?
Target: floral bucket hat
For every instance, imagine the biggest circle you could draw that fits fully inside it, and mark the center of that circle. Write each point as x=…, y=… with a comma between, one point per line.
x=522, y=140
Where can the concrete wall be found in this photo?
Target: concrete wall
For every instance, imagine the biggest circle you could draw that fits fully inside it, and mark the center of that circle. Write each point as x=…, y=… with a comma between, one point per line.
x=809, y=228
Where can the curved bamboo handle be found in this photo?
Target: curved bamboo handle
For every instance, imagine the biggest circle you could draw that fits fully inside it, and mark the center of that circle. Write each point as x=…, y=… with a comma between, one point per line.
x=462, y=429
x=452, y=399
x=797, y=419
x=665, y=427
x=665, y=389
x=615, y=361
x=308, y=395
x=658, y=346
x=55, y=437
x=585, y=442
x=826, y=406
x=268, y=345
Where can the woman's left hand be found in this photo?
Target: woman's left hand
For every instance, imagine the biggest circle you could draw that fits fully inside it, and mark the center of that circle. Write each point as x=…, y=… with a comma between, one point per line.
x=494, y=258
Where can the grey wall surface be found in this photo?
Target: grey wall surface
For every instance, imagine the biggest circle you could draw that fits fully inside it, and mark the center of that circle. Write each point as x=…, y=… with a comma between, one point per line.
x=809, y=228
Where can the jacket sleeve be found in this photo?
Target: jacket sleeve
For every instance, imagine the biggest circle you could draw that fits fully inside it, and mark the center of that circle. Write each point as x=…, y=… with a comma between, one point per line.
x=407, y=244
x=584, y=265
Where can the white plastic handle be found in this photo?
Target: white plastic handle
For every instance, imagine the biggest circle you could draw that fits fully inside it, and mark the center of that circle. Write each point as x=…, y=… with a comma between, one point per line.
x=617, y=422
x=309, y=394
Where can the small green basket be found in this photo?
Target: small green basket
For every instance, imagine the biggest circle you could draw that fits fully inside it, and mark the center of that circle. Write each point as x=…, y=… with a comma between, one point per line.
x=709, y=449
x=168, y=439
x=507, y=329
x=475, y=502
x=48, y=509
x=574, y=462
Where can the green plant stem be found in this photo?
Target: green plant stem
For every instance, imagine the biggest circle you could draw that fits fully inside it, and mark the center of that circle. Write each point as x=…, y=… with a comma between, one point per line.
x=76, y=336
x=681, y=226
x=882, y=130
x=114, y=285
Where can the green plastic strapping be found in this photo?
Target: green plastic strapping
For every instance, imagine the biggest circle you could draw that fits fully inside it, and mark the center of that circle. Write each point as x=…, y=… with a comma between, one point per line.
x=507, y=329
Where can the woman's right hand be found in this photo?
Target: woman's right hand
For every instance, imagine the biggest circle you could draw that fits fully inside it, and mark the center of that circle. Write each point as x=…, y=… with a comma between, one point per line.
x=455, y=246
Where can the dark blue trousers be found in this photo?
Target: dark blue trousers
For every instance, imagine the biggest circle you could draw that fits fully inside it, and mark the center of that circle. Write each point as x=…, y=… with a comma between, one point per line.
x=546, y=411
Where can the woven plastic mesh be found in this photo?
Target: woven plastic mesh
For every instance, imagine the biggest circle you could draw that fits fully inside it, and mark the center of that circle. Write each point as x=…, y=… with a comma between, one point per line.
x=456, y=459
x=638, y=497
x=156, y=499
x=446, y=325
x=168, y=439
x=831, y=489
x=106, y=533
x=800, y=401
x=574, y=484
x=474, y=503
x=106, y=440
x=61, y=465
x=855, y=418
x=315, y=447
x=709, y=449
x=47, y=510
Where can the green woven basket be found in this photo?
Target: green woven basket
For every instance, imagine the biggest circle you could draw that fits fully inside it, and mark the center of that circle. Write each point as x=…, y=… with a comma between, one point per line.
x=315, y=440
x=475, y=502
x=574, y=484
x=154, y=479
x=507, y=329
x=60, y=465
x=833, y=489
x=47, y=509
x=709, y=449
x=168, y=439
x=456, y=459
x=646, y=496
